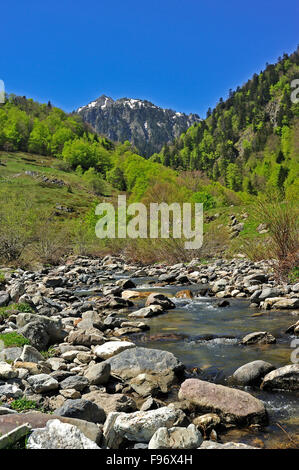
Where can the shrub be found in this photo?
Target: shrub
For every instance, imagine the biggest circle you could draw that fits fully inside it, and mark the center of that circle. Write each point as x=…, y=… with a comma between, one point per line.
x=16, y=226
x=205, y=198
x=95, y=182
x=282, y=221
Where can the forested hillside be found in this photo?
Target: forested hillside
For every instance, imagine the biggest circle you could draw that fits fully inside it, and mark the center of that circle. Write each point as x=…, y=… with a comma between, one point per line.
x=249, y=141
x=54, y=169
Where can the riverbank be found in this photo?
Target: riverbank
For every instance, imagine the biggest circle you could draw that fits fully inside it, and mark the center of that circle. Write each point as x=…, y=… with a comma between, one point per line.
x=72, y=338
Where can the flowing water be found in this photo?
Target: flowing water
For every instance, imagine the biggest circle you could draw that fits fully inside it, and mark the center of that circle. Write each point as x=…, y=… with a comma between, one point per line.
x=206, y=337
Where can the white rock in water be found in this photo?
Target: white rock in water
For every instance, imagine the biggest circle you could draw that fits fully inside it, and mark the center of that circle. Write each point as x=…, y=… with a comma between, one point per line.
x=58, y=435
x=176, y=438
x=111, y=348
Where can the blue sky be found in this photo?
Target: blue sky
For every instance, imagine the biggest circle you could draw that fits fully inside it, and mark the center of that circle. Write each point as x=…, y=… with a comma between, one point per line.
x=179, y=54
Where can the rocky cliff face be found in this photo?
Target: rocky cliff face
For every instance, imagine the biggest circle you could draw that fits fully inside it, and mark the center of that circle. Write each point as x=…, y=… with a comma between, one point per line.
x=144, y=124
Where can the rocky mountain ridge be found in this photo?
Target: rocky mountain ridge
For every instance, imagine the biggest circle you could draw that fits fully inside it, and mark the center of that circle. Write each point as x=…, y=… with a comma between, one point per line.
x=147, y=126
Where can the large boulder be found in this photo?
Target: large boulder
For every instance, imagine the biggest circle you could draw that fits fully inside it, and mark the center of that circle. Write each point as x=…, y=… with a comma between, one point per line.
x=82, y=409
x=135, y=361
x=252, y=372
x=37, y=335
x=284, y=378
x=141, y=425
x=232, y=405
x=53, y=327
x=176, y=438
x=111, y=348
x=58, y=435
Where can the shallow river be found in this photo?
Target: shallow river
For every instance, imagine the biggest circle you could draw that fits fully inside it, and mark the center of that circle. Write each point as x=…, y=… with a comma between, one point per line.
x=183, y=331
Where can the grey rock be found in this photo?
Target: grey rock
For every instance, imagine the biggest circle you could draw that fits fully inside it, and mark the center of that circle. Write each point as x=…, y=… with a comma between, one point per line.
x=10, y=354
x=176, y=438
x=284, y=378
x=59, y=435
x=252, y=372
x=132, y=362
x=98, y=374
x=89, y=337
x=37, y=335
x=111, y=402
x=53, y=327
x=10, y=391
x=269, y=292
x=42, y=383
x=147, y=312
x=4, y=299
x=16, y=290
x=82, y=409
x=30, y=354
x=76, y=382
x=159, y=299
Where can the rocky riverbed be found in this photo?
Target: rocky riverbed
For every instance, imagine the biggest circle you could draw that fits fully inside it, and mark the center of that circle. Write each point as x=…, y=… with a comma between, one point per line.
x=93, y=355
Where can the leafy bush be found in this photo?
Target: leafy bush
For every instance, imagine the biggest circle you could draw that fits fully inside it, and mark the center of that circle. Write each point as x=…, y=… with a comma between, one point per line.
x=95, y=182
x=205, y=198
